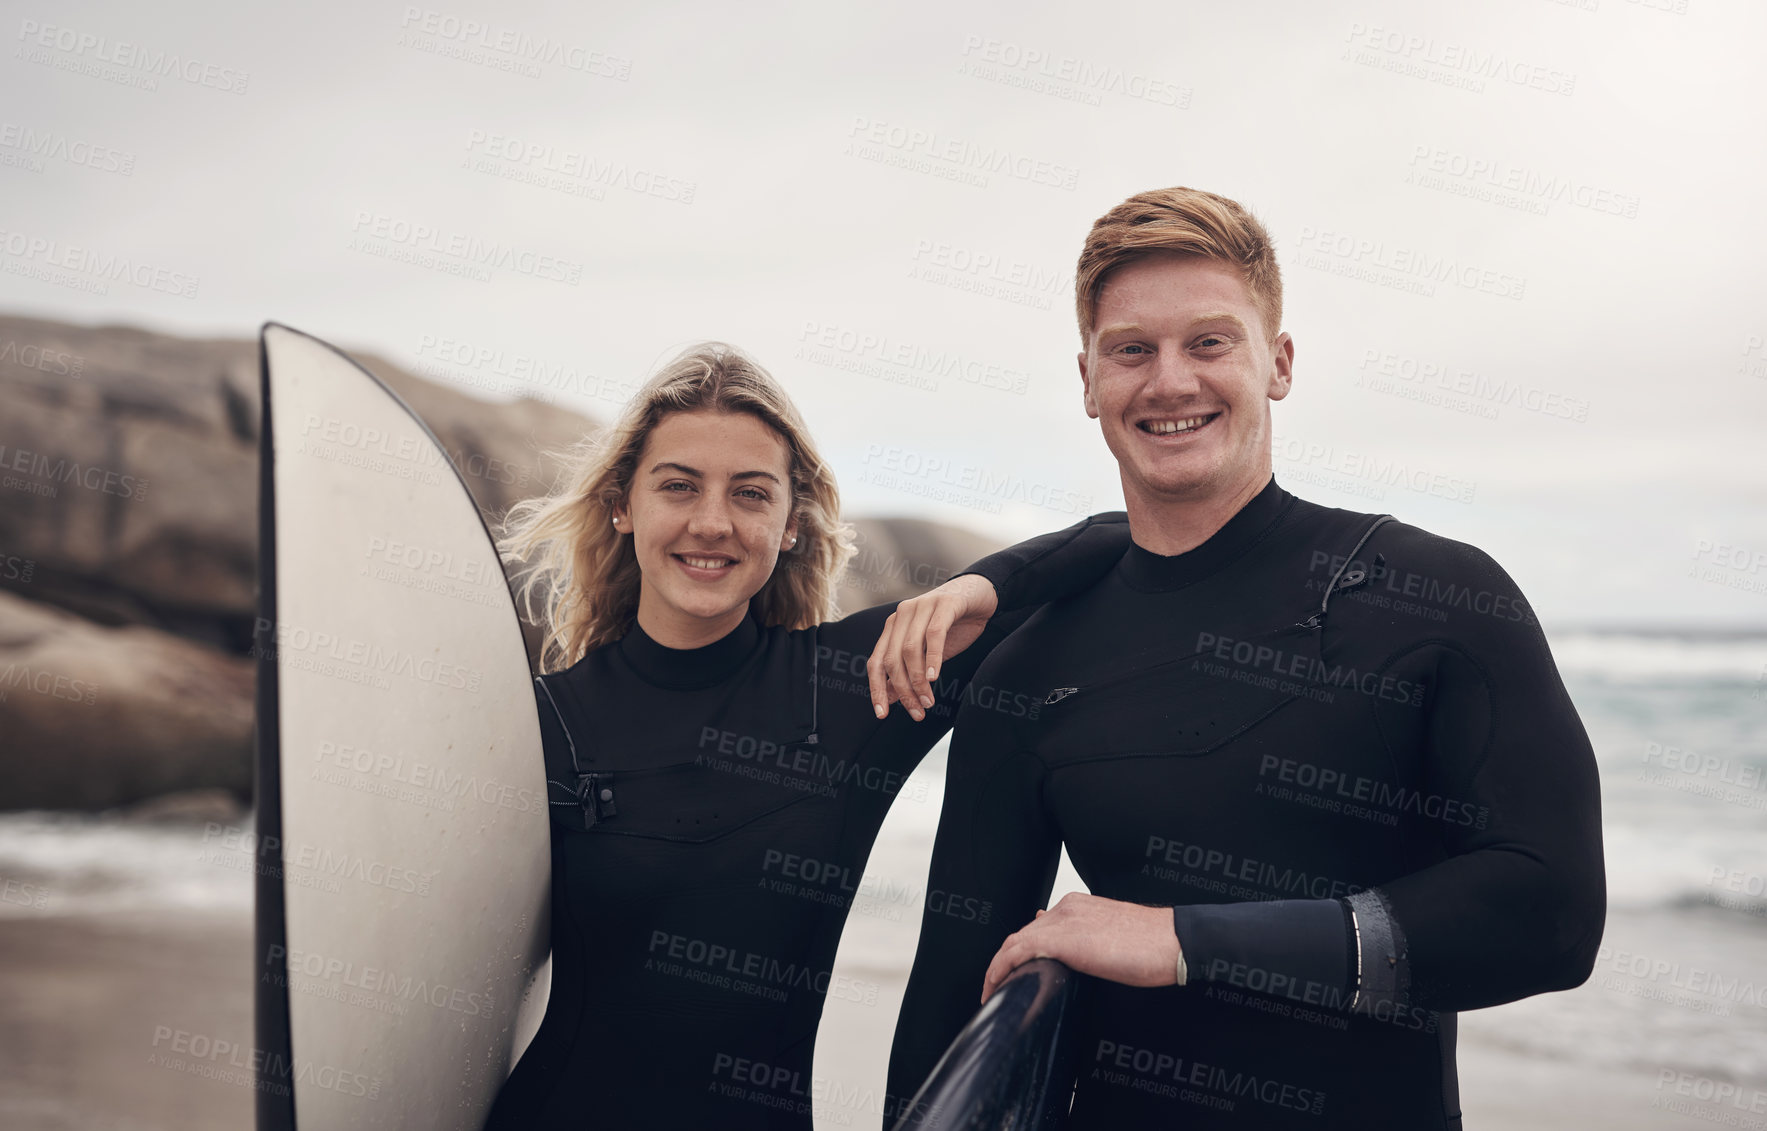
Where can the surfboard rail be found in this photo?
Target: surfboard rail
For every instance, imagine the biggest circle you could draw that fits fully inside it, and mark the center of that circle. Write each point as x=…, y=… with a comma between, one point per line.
x=274, y=1097
x=1012, y=1067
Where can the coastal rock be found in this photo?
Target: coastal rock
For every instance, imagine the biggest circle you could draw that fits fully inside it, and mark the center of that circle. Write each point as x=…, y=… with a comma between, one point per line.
x=899, y=558
x=128, y=468
x=97, y=716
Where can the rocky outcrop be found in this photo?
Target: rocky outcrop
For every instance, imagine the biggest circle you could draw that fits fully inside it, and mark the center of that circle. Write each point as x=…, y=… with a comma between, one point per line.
x=128, y=536
x=97, y=716
x=900, y=557
x=128, y=472
x=128, y=464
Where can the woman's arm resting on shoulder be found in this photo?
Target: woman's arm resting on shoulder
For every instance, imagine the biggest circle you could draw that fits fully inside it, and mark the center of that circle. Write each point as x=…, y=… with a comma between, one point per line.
x=925, y=631
x=919, y=634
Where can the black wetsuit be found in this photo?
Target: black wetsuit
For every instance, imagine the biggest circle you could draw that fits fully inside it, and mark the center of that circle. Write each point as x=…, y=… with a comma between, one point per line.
x=713, y=812
x=1210, y=740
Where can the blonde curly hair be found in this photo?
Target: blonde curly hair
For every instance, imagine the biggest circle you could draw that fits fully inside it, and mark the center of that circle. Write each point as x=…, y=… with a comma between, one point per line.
x=584, y=574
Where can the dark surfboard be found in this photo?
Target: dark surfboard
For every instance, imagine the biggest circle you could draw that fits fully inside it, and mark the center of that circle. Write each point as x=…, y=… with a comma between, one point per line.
x=402, y=867
x=1012, y=1067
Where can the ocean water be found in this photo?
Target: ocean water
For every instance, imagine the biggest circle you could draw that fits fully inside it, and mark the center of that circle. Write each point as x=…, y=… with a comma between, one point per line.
x=1679, y=724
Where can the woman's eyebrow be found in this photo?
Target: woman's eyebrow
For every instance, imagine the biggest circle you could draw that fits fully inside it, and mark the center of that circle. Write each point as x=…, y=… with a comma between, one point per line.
x=696, y=473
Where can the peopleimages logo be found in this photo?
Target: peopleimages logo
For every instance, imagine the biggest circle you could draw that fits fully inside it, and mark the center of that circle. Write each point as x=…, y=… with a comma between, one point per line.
x=229, y=845
x=505, y=48
x=365, y=660
x=57, y=362
x=1425, y=56
x=1437, y=594
x=747, y=972
x=47, y=472
x=1064, y=76
x=955, y=158
x=1161, y=1073
x=1463, y=390
x=1409, y=264
x=1308, y=669
x=1393, y=797
x=85, y=268
x=554, y=167
x=910, y=363
x=33, y=145
x=55, y=685
x=892, y=465
x=1272, y=881
x=425, y=781
x=373, y=980
x=379, y=233
x=791, y=764
x=1527, y=184
x=100, y=56
x=1367, y=472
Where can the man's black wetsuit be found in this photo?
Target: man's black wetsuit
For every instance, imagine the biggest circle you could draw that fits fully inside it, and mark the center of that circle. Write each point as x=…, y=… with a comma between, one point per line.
x=713, y=812
x=1399, y=783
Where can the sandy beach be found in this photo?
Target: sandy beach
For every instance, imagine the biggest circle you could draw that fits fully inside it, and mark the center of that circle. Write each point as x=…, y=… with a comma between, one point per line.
x=1508, y=1091
x=102, y=1008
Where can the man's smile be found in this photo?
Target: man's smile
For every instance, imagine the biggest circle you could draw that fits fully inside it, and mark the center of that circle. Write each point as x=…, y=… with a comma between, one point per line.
x=1174, y=426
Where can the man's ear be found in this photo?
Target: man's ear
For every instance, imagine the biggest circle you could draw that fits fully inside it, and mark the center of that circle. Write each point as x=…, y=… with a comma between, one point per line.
x=1086, y=397
x=1282, y=366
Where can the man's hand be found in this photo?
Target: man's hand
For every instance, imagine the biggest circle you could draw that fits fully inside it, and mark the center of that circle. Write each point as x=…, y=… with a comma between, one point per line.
x=920, y=635
x=1121, y=942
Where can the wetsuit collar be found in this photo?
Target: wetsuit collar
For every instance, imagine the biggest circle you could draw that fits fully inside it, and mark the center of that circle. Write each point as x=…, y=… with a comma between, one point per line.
x=1153, y=573
x=690, y=668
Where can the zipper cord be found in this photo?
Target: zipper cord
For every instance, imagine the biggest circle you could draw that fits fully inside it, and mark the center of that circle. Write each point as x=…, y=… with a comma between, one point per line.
x=559, y=715
x=591, y=792
x=1356, y=576
x=815, y=682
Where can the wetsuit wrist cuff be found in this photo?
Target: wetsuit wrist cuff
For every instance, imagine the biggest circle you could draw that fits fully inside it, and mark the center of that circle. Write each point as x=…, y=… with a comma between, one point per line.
x=1383, y=966
x=1290, y=948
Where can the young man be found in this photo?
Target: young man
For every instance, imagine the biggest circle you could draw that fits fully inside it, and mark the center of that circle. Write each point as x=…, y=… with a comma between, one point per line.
x=1317, y=767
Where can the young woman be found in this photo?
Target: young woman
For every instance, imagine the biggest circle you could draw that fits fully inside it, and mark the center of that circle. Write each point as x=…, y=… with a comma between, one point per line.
x=718, y=762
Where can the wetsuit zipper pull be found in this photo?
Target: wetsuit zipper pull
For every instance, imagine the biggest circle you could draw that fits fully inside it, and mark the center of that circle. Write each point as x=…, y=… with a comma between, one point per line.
x=596, y=796
x=1058, y=695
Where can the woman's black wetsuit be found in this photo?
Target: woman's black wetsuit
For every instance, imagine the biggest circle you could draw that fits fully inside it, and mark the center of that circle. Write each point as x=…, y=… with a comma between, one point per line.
x=713, y=812
x=1214, y=737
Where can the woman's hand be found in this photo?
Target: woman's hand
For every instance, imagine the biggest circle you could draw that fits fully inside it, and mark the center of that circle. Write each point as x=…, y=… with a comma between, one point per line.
x=920, y=635
x=1106, y=938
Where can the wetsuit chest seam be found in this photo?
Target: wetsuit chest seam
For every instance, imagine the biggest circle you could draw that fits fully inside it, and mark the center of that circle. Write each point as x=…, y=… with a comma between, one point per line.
x=1093, y=759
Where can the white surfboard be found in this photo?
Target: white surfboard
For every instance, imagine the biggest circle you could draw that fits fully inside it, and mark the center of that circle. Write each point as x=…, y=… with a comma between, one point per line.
x=403, y=872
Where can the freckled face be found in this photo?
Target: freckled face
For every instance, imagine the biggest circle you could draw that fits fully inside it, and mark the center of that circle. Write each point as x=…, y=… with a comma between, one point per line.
x=1180, y=373
x=709, y=511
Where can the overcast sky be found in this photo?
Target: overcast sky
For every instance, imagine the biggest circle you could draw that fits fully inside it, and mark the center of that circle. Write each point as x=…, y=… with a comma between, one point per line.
x=1521, y=239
